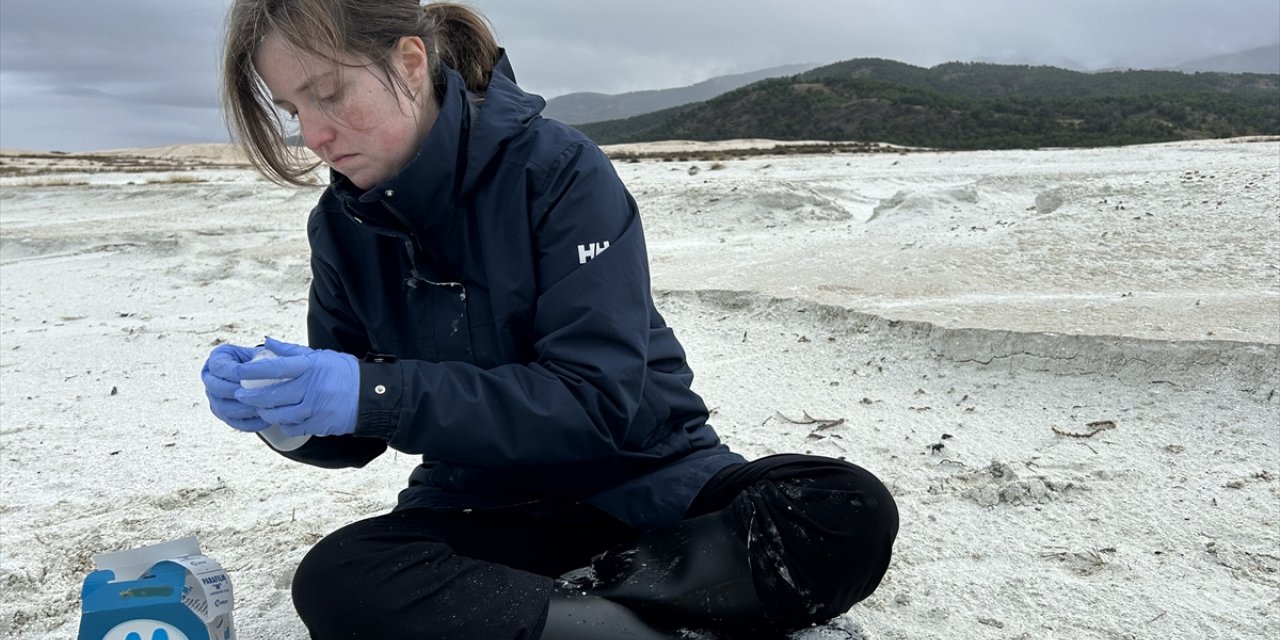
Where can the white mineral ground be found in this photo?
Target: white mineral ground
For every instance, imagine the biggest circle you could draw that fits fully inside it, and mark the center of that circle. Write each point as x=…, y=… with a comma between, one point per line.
x=963, y=324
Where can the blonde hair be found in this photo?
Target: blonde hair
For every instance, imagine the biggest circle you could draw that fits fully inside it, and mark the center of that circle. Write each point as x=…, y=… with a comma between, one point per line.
x=454, y=34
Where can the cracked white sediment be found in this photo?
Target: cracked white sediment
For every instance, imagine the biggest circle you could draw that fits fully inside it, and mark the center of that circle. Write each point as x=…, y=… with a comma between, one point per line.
x=975, y=312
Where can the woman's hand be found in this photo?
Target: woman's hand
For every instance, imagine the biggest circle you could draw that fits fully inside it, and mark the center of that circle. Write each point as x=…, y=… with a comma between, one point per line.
x=320, y=395
x=221, y=383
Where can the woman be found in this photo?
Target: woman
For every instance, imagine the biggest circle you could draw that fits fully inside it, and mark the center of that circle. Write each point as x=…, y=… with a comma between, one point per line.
x=481, y=297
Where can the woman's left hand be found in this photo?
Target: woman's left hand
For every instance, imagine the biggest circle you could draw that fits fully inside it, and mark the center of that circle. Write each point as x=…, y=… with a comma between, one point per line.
x=321, y=399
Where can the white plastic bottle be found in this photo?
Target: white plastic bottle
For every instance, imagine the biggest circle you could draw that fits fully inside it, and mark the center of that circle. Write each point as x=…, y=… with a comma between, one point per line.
x=273, y=434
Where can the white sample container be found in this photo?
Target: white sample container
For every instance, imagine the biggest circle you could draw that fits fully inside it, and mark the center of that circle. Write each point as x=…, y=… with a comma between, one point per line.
x=274, y=435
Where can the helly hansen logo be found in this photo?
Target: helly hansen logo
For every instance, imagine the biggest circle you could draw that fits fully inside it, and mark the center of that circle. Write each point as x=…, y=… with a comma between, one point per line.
x=589, y=251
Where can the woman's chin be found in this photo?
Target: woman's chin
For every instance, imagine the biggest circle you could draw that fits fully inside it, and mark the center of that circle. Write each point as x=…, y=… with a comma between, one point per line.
x=362, y=176
x=360, y=179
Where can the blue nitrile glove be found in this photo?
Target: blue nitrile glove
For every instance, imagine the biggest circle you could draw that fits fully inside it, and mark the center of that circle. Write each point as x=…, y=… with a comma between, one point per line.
x=222, y=381
x=320, y=395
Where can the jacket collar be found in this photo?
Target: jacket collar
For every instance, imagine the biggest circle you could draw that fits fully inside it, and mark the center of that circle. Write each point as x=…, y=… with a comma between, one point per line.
x=461, y=144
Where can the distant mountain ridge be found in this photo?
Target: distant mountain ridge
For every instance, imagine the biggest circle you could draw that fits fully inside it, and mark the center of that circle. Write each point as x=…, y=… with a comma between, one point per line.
x=579, y=108
x=970, y=106
x=986, y=80
x=1257, y=60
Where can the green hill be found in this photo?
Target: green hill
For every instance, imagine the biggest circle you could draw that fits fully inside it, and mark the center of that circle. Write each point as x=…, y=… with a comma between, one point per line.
x=970, y=106
x=982, y=81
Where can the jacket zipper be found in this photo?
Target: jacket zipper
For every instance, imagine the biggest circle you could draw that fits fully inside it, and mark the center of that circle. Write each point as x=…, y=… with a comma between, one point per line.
x=416, y=278
x=473, y=114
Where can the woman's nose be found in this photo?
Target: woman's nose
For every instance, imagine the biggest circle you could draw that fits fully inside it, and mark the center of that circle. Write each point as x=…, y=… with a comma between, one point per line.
x=316, y=130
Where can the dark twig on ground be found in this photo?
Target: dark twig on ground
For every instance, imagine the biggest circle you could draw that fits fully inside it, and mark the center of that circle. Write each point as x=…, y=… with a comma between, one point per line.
x=1094, y=429
x=819, y=424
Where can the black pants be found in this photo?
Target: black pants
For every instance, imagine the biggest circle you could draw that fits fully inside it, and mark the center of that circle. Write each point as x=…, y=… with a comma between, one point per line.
x=820, y=535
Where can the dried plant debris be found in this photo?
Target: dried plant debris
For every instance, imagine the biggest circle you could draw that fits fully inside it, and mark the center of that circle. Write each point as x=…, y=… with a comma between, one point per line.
x=1095, y=428
x=819, y=424
x=1082, y=562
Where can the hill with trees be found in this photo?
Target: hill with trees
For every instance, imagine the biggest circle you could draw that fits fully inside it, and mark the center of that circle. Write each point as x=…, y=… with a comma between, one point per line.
x=970, y=106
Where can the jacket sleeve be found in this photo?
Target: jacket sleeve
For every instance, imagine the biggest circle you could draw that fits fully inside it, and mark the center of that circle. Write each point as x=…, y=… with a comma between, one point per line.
x=576, y=400
x=331, y=325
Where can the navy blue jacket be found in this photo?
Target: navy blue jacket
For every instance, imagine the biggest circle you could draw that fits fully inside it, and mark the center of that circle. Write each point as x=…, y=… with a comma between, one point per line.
x=500, y=285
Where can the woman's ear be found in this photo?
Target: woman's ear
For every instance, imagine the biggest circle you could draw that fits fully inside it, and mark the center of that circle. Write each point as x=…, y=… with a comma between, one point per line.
x=411, y=57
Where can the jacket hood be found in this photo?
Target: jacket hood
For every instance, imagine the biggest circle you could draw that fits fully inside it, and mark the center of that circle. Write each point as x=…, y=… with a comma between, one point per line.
x=505, y=111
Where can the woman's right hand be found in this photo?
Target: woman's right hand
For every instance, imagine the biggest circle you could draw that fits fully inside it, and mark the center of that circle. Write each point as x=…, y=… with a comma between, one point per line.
x=221, y=381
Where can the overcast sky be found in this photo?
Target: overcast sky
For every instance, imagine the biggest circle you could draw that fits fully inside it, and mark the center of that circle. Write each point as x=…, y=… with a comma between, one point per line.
x=81, y=74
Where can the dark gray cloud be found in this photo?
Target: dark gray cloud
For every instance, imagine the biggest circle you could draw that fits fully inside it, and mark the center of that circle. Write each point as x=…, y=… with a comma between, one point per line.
x=647, y=43
x=82, y=74
x=85, y=75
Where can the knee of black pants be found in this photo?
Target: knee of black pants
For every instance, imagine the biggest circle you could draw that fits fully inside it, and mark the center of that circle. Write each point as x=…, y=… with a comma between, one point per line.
x=351, y=582
x=326, y=583
x=384, y=578
x=819, y=544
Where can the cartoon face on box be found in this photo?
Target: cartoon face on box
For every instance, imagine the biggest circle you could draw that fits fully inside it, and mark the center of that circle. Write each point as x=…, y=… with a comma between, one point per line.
x=144, y=630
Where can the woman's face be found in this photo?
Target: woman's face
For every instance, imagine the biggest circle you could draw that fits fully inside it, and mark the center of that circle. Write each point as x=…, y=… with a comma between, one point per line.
x=349, y=116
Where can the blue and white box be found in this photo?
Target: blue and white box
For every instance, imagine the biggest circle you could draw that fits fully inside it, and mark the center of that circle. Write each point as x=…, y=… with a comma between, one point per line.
x=167, y=591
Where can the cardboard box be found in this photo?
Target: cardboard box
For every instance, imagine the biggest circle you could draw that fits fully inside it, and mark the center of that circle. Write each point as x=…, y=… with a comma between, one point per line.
x=168, y=591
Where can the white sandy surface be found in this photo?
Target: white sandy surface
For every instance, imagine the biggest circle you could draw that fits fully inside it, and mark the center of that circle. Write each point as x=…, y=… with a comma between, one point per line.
x=954, y=322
